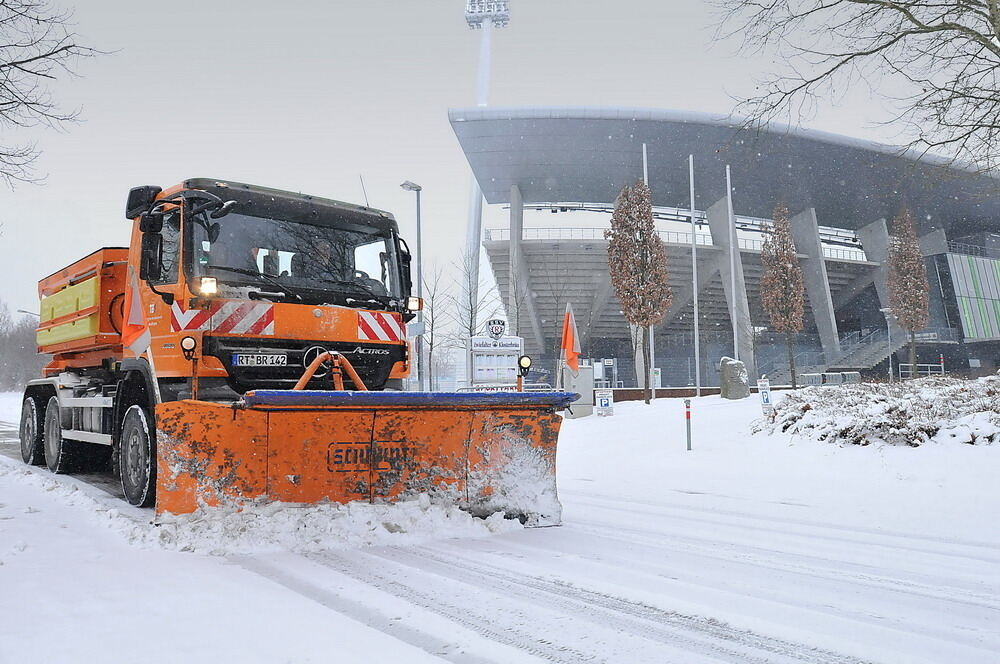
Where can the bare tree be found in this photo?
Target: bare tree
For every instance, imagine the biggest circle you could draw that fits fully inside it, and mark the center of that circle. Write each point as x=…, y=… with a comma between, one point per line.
x=36, y=46
x=944, y=53
x=436, y=298
x=471, y=306
x=782, y=288
x=19, y=358
x=637, y=261
x=909, y=290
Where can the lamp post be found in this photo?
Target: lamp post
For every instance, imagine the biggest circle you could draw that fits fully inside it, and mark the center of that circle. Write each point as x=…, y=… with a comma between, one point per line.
x=410, y=186
x=888, y=332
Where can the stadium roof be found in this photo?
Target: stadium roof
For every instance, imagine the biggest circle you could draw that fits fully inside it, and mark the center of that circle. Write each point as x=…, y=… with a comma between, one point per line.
x=581, y=154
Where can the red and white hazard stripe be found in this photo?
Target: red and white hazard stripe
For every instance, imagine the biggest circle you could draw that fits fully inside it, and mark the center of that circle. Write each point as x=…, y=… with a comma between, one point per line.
x=378, y=326
x=226, y=317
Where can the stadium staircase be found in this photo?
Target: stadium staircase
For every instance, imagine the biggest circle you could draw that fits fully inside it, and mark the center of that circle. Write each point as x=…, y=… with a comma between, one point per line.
x=857, y=354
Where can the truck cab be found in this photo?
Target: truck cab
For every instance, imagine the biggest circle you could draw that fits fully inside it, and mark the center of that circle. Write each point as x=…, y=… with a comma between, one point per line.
x=263, y=281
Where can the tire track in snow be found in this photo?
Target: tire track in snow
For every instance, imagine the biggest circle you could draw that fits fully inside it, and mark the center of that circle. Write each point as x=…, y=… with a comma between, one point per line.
x=876, y=540
x=694, y=634
x=477, y=617
x=937, y=588
x=358, y=611
x=796, y=597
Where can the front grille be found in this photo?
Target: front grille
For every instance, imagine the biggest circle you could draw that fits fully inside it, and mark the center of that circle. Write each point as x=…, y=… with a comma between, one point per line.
x=372, y=366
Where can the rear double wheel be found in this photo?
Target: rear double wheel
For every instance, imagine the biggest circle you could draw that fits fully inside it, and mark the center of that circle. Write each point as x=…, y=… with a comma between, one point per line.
x=137, y=458
x=64, y=455
x=31, y=433
x=61, y=455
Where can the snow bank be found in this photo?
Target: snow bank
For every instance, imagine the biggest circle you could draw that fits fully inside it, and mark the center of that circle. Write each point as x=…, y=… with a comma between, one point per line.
x=268, y=526
x=936, y=409
x=321, y=527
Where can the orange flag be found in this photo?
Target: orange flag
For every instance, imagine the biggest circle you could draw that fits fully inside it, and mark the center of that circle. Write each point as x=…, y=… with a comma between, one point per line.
x=135, y=331
x=570, y=347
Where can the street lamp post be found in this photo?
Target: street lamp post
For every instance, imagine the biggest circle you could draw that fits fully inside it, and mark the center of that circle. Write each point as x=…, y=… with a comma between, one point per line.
x=410, y=186
x=888, y=333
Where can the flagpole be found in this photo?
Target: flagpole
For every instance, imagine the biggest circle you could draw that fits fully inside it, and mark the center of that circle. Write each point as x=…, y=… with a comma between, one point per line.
x=649, y=329
x=694, y=282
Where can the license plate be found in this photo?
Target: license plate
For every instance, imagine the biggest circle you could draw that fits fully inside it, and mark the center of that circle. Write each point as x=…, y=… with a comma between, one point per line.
x=259, y=360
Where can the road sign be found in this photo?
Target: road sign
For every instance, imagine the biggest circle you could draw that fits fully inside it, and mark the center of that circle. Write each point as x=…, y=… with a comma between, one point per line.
x=764, y=389
x=604, y=402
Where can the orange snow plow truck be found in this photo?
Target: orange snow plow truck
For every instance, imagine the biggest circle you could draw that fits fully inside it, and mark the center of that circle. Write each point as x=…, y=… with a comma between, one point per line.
x=206, y=364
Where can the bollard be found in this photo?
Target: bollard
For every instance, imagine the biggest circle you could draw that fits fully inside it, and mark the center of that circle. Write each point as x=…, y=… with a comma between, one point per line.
x=687, y=418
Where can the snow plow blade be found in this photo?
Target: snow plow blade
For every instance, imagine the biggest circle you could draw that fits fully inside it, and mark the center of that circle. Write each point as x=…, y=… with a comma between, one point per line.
x=487, y=453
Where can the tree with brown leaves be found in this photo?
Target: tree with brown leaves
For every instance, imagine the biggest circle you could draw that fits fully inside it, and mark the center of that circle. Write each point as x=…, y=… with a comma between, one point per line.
x=637, y=261
x=782, y=288
x=909, y=290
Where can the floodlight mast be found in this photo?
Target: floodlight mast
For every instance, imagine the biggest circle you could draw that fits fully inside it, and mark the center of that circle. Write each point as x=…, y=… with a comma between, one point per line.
x=479, y=15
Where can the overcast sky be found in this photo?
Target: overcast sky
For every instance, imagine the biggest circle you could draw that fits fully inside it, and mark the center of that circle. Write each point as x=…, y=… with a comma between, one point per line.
x=308, y=95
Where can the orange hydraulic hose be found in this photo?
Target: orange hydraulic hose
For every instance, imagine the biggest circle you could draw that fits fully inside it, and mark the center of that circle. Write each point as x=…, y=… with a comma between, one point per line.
x=339, y=361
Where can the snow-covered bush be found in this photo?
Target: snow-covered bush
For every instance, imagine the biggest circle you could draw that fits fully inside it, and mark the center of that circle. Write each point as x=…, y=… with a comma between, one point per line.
x=909, y=413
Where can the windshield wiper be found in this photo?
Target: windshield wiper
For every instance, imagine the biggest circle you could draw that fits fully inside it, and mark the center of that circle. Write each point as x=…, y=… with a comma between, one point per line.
x=266, y=277
x=360, y=287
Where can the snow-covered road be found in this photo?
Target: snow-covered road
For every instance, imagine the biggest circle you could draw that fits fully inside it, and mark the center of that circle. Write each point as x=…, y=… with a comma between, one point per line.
x=747, y=549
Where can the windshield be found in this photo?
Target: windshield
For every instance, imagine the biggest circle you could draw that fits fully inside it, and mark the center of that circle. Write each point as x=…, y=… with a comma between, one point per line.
x=328, y=264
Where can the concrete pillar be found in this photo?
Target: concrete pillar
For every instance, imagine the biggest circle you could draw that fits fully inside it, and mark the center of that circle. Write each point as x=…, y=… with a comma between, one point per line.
x=934, y=243
x=805, y=233
x=875, y=241
x=516, y=294
x=719, y=223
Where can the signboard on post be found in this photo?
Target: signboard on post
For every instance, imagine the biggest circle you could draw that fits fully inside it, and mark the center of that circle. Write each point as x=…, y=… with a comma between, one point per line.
x=604, y=402
x=764, y=389
x=494, y=360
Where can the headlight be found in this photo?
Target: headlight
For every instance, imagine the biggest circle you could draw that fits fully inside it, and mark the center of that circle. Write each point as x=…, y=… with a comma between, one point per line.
x=414, y=303
x=208, y=286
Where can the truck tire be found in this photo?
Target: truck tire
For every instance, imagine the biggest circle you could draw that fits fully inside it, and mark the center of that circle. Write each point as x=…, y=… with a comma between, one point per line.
x=137, y=458
x=61, y=455
x=31, y=433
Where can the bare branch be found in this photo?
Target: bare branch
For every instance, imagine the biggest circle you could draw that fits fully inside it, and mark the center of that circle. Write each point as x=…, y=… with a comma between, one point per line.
x=37, y=45
x=945, y=52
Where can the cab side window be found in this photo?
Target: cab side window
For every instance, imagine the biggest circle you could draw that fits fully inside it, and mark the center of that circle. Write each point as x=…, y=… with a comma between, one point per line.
x=170, y=251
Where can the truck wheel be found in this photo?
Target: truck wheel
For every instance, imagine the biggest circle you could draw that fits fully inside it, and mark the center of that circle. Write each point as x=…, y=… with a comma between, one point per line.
x=32, y=440
x=137, y=458
x=60, y=454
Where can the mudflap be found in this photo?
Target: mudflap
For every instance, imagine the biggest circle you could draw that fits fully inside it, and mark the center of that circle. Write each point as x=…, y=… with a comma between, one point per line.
x=486, y=453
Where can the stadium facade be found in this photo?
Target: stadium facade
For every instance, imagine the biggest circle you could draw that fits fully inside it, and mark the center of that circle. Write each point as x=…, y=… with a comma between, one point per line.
x=842, y=194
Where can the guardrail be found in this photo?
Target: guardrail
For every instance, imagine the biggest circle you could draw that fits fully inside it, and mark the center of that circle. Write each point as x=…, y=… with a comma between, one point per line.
x=907, y=370
x=972, y=250
x=670, y=237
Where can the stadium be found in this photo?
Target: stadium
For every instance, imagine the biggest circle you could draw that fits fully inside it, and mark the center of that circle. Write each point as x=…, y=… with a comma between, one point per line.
x=842, y=195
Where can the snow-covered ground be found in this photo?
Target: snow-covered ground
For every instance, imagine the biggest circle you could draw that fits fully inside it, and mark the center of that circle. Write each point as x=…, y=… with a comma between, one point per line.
x=750, y=548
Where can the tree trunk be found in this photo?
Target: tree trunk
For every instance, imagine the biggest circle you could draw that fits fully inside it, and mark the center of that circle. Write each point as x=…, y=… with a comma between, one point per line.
x=913, y=354
x=647, y=370
x=791, y=357
x=430, y=367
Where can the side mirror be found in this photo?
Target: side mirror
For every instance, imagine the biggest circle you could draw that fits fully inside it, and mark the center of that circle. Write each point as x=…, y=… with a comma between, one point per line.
x=150, y=262
x=139, y=200
x=151, y=223
x=404, y=266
